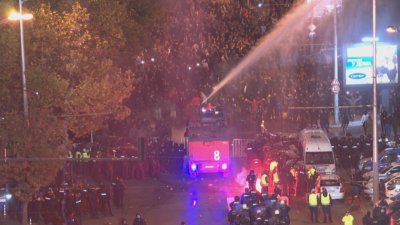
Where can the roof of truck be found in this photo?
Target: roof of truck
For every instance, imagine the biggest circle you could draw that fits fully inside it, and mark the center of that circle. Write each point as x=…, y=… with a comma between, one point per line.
x=315, y=140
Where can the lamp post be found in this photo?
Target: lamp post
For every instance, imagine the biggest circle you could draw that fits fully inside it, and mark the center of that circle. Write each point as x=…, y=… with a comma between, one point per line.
x=21, y=17
x=374, y=110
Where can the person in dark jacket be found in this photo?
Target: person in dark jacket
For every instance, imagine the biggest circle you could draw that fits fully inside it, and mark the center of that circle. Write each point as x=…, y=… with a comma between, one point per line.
x=139, y=220
x=345, y=122
x=105, y=198
x=72, y=220
x=367, y=218
x=120, y=193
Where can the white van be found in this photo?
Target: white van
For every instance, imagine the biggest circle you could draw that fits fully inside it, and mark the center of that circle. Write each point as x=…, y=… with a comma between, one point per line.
x=317, y=151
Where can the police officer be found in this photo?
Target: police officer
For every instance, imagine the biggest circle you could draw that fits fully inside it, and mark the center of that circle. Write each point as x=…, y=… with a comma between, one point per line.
x=78, y=155
x=251, y=180
x=71, y=219
x=382, y=143
x=114, y=188
x=348, y=218
x=326, y=203
x=265, y=181
x=334, y=143
x=93, y=199
x=83, y=196
x=105, y=198
x=139, y=220
x=355, y=152
x=51, y=207
x=232, y=214
x=286, y=180
x=278, y=190
x=284, y=208
x=120, y=193
x=343, y=152
x=245, y=198
x=313, y=205
x=78, y=208
x=311, y=174
x=301, y=177
x=368, y=146
x=86, y=167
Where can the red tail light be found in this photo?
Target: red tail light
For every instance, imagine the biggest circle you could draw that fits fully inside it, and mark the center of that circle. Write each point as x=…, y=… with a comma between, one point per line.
x=341, y=190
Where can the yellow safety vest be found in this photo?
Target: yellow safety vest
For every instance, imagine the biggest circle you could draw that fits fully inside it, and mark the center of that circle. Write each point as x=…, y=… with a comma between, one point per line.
x=86, y=156
x=348, y=220
x=311, y=173
x=263, y=180
x=70, y=155
x=325, y=200
x=276, y=178
x=272, y=166
x=313, y=200
x=78, y=155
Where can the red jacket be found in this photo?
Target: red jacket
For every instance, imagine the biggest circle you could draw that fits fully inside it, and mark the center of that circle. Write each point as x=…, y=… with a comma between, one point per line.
x=254, y=104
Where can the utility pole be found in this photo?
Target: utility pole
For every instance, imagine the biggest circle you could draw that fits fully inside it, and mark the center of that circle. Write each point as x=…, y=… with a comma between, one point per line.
x=25, y=94
x=336, y=96
x=374, y=110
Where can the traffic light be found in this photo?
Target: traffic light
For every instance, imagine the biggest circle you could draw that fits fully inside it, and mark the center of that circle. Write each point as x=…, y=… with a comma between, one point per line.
x=140, y=148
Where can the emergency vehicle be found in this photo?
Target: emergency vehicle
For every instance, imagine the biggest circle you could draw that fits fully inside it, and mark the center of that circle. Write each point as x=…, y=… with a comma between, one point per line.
x=208, y=143
x=317, y=151
x=332, y=184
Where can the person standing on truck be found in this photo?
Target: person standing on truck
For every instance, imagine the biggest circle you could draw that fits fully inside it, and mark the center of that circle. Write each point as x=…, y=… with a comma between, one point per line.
x=251, y=179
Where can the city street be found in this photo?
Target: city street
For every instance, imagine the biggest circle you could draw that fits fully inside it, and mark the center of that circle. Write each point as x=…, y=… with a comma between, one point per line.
x=170, y=199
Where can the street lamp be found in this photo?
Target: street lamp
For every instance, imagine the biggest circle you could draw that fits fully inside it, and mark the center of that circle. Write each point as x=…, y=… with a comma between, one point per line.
x=391, y=29
x=20, y=17
x=17, y=16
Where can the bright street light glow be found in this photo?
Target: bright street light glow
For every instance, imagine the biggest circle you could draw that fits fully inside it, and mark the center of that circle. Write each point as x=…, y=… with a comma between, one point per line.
x=17, y=16
x=391, y=29
x=367, y=39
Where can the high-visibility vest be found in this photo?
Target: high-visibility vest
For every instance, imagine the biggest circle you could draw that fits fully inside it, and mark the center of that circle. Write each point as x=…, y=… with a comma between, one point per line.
x=313, y=200
x=293, y=172
x=263, y=182
x=86, y=156
x=311, y=172
x=78, y=155
x=272, y=165
x=276, y=178
x=348, y=220
x=70, y=155
x=325, y=200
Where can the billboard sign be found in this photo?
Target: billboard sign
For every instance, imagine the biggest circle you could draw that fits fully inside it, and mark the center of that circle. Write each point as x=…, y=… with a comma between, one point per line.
x=357, y=64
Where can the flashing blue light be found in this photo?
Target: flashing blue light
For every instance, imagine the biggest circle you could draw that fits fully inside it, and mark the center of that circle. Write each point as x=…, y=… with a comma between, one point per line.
x=194, y=167
x=259, y=4
x=203, y=110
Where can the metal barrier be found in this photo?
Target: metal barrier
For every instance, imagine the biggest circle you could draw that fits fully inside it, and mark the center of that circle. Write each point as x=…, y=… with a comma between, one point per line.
x=239, y=147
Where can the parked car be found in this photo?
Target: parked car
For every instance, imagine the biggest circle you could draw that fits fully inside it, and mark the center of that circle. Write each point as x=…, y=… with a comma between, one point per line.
x=368, y=186
x=385, y=172
x=332, y=184
x=385, y=158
